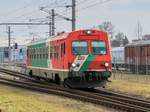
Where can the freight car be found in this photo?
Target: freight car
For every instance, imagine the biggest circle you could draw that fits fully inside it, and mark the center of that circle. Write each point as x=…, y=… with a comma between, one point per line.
x=118, y=57
x=79, y=59
x=137, y=57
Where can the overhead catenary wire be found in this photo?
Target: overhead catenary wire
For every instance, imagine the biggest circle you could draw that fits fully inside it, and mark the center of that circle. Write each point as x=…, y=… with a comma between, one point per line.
x=94, y=4
x=55, y=4
x=100, y=2
x=19, y=9
x=82, y=5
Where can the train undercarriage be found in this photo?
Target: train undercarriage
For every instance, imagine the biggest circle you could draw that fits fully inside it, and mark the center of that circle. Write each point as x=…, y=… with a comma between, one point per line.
x=73, y=80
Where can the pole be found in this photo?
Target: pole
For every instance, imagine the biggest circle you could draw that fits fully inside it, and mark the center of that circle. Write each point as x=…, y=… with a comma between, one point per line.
x=73, y=15
x=50, y=28
x=9, y=39
x=53, y=22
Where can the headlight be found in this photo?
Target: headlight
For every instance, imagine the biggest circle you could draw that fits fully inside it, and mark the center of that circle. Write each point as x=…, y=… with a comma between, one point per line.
x=74, y=65
x=106, y=64
x=89, y=32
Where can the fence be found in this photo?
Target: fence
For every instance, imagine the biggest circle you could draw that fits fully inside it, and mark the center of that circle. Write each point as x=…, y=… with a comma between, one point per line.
x=138, y=78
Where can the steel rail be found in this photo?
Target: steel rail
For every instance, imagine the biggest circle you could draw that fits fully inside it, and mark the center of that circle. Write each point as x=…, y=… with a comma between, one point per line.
x=122, y=97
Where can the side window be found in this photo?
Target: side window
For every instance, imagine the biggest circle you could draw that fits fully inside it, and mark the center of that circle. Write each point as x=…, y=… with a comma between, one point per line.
x=30, y=53
x=34, y=53
x=55, y=52
x=46, y=52
x=62, y=50
x=37, y=53
x=40, y=56
x=51, y=52
x=43, y=53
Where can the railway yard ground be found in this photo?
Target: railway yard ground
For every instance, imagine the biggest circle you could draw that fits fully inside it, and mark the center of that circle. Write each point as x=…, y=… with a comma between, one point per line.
x=14, y=99
x=19, y=100
x=135, y=85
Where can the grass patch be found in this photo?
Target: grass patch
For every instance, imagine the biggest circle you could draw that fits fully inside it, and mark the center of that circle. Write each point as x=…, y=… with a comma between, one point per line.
x=132, y=88
x=20, y=100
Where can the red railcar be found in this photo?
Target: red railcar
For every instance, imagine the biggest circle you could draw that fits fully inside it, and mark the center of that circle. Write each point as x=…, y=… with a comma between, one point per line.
x=79, y=59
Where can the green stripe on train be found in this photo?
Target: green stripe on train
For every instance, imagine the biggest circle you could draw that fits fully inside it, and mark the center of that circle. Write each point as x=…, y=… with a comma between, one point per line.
x=39, y=62
x=88, y=60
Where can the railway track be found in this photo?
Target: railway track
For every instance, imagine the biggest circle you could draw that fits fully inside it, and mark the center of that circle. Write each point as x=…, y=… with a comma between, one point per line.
x=23, y=76
x=122, y=97
x=105, y=98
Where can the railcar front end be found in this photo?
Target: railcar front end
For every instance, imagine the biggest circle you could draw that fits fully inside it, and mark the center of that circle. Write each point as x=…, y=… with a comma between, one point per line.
x=89, y=59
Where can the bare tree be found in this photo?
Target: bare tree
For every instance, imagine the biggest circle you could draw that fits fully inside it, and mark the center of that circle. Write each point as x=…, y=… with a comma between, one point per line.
x=126, y=41
x=120, y=36
x=138, y=30
x=108, y=27
x=120, y=40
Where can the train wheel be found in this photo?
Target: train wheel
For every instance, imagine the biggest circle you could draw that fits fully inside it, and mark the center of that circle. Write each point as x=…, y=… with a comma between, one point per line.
x=57, y=79
x=30, y=73
x=37, y=78
x=65, y=84
x=103, y=87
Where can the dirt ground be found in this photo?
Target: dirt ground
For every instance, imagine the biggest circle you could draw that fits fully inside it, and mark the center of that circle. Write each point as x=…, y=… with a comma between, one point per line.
x=20, y=100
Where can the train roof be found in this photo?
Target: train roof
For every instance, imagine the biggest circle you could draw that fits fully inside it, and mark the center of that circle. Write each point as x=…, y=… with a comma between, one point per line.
x=61, y=36
x=65, y=35
x=139, y=43
x=58, y=37
x=37, y=42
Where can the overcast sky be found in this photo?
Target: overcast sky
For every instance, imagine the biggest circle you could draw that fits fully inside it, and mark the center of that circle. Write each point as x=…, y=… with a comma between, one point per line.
x=124, y=15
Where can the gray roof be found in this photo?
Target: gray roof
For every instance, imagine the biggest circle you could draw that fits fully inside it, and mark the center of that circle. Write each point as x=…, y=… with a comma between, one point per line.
x=140, y=43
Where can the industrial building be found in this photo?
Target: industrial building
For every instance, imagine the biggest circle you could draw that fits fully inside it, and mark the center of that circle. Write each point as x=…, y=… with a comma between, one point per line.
x=17, y=54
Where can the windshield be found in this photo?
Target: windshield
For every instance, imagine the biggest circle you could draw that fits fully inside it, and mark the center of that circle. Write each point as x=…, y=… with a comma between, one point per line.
x=80, y=47
x=99, y=47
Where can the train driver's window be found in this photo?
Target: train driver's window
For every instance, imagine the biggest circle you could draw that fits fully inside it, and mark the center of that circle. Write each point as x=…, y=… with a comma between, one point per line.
x=99, y=47
x=79, y=48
